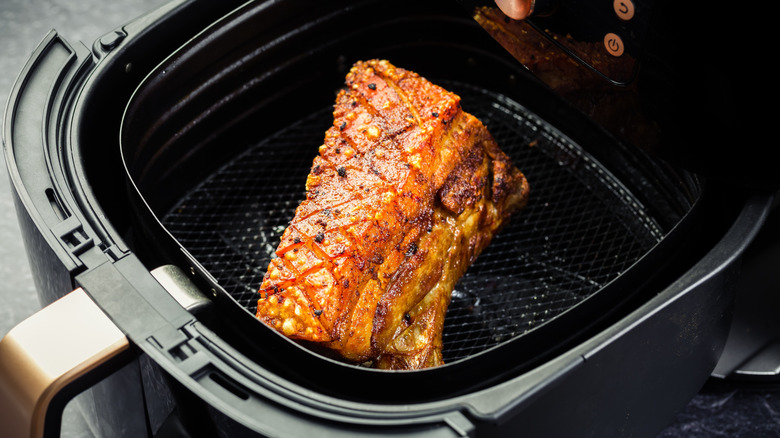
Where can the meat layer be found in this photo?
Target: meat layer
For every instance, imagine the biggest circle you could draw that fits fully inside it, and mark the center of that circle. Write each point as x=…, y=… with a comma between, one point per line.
x=406, y=191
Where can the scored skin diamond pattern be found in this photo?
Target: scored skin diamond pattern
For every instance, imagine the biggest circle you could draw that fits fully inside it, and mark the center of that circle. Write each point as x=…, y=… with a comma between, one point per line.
x=563, y=247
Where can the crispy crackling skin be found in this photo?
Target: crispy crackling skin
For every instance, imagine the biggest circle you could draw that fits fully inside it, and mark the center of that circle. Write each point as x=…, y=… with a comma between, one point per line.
x=406, y=191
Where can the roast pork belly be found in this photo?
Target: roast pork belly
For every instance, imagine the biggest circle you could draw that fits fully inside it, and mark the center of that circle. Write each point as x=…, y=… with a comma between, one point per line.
x=406, y=191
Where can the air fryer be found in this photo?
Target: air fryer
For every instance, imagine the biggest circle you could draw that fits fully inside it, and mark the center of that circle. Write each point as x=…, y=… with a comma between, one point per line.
x=155, y=172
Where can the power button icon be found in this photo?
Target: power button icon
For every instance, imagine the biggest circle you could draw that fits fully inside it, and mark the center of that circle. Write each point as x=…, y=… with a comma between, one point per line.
x=614, y=44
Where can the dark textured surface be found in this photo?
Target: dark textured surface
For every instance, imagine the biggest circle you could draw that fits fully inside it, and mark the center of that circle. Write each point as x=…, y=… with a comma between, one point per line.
x=718, y=411
x=729, y=413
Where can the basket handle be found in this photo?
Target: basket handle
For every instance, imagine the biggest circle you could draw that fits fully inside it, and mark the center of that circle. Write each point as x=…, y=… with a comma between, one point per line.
x=44, y=361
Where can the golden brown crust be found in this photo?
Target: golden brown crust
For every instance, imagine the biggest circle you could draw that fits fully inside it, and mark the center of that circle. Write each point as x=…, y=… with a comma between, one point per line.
x=403, y=179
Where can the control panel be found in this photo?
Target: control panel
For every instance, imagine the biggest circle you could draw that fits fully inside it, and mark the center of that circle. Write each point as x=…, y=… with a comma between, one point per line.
x=605, y=35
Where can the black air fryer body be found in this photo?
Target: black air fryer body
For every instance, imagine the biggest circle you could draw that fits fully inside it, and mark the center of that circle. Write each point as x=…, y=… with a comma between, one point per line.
x=153, y=170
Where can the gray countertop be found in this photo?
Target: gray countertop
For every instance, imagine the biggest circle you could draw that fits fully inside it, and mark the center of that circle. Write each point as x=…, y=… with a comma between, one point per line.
x=23, y=23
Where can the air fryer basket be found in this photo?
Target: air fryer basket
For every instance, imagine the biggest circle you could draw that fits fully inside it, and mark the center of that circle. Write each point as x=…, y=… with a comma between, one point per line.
x=219, y=139
x=580, y=231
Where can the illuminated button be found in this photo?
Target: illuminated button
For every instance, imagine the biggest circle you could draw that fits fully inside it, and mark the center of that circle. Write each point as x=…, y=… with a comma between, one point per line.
x=624, y=9
x=614, y=44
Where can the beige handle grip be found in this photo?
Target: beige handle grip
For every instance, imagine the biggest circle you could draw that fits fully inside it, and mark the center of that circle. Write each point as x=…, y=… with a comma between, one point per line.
x=48, y=351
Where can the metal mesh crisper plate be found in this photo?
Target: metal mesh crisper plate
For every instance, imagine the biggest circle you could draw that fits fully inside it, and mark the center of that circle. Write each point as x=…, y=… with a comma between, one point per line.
x=580, y=230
